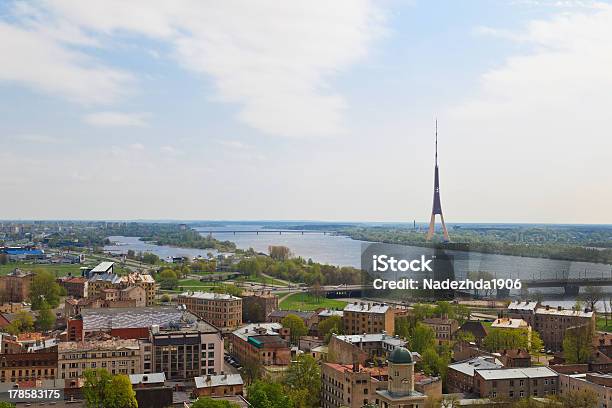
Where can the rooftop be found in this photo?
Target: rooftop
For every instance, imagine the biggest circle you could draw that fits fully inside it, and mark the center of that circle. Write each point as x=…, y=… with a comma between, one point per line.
x=153, y=378
x=209, y=296
x=563, y=312
x=365, y=307
x=511, y=373
x=523, y=306
x=102, y=267
x=469, y=366
x=329, y=313
x=255, y=329
x=372, y=338
x=217, y=380
x=283, y=313
x=138, y=317
x=114, y=344
x=508, y=323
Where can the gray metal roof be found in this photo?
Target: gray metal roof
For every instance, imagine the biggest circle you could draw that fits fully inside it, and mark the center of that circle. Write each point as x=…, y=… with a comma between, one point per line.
x=469, y=366
x=216, y=380
x=102, y=267
x=512, y=373
x=153, y=378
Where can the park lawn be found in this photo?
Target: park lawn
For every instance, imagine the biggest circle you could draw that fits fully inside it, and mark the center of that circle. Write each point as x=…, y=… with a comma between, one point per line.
x=601, y=323
x=56, y=270
x=305, y=301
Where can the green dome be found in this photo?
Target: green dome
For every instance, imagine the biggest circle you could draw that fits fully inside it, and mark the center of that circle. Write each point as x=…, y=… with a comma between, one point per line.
x=400, y=355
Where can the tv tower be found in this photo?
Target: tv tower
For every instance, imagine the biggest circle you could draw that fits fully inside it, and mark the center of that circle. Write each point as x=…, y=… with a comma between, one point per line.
x=437, y=206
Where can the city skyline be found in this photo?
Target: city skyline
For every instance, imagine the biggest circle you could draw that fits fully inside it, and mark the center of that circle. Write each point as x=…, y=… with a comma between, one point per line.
x=192, y=111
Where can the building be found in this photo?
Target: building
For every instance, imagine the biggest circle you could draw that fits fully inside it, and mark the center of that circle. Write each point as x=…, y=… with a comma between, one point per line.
x=220, y=309
x=598, y=384
x=256, y=306
x=218, y=385
x=102, y=268
x=352, y=386
x=516, y=383
x=151, y=391
x=443, y=327
x=28, y=366
x=515, y=358
x=362, y=317
x=186, y=348
x=75, y=286
x=15, y=286
x=117, y=356
x=310, y=318
x=266, y=343
x=460, y=376
x=327, y=313
x=476, y=329
x=400, y=392
x=550, y=323
x=125, y=323
x=508, y=323
x=101, y=282
x=362, y=348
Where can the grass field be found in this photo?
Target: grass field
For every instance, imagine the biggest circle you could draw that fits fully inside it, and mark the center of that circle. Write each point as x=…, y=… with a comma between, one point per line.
x=56, y=270
x=304, y=301
x=601, y=323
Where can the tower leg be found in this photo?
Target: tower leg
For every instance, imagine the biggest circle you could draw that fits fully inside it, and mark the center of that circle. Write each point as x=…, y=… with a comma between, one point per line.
x=432, y=225
x=444, y=230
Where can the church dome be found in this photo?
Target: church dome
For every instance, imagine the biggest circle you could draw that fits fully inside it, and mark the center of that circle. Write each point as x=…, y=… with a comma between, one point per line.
x=400, y=355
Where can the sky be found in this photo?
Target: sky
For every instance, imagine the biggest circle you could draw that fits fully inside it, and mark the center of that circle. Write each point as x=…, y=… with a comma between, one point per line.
x=306, y=110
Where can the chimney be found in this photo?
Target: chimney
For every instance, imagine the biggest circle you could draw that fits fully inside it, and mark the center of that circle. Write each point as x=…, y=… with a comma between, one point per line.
x=547, y=307
x=558, y=308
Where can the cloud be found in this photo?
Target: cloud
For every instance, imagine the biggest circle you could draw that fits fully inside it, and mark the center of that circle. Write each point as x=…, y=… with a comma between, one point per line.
x=275, y=60
x=543, y=114
x=233, y=144
x=37, y=138
x=42, y=62
x=117, y=119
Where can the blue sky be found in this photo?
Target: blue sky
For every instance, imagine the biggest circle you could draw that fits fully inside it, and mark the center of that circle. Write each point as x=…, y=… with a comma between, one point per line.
x=306, y=110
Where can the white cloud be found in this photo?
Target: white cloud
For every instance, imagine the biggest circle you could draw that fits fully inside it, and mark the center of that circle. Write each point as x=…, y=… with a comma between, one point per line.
x=113, y=119
x=39, y=60
x=273, y=59
x=233, y=144
x=543, y=115
x=37, y=138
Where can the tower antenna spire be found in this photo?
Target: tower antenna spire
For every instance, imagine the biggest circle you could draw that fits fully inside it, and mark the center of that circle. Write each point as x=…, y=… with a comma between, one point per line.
x=436, y=141
x=437, y=206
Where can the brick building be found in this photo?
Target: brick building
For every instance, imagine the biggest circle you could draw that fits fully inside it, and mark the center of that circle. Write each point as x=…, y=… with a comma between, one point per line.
x=353, y=386
x=256, y=306
x=26, y=366
x=15, y=286
x=266, y=343
x=362, y=348
x=76, y=286
x=516, y=383
x=460, y=376
x=363, y=317
x=218, y=385
x=220, y=309
x=444, y=328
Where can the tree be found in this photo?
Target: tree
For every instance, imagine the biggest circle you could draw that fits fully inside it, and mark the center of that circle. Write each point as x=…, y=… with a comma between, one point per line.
x=207, y=402
x=23, y=322
x=296, y=326
x=46, y=318
x=422, y=338
x=506, y=339
x=537, y=344
x=279, y=252
x=579, y=399
x=6, y=405
x=254, y=312
x=592, y=295
x=167, y=279
x=329, y=326
x=251, y=370
x=150, y=258
x=578, y=344
x=103, y=390
x=303, y=379
x=263, y=394
x=465, y=336
x=44, y=288
x=165, y=298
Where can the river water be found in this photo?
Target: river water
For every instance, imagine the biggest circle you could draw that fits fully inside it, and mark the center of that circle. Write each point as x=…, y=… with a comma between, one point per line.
x=344, y=251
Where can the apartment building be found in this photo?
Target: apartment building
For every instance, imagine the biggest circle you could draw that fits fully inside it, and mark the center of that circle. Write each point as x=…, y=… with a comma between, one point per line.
x=352, y=386
x=220, y=309
x=257, y=305
x=599, y=384
x=363, y=317
x=362, y=348
x=186, y=349
x=101, y=283
x=550, y=323
x=218, y=385
x=516, y=383
x=28, y=366
x=266, y=343
x=460, y=376
x=76, y=286
x=15, y=286
x=444, y=328
x=117, y=356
